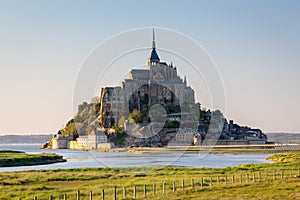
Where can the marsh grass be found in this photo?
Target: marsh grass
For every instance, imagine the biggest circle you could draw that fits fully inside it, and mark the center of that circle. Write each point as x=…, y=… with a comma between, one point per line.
x=18, y=158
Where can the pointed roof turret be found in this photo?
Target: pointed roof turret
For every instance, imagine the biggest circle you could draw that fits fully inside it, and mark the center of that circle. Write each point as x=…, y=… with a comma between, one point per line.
x=154, y=56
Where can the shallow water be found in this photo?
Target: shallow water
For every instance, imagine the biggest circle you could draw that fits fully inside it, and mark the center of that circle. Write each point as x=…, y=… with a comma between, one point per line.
x=81, y=159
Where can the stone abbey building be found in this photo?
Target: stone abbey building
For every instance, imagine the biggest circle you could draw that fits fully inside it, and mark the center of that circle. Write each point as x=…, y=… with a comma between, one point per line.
x=155, y=107
x=158, y=84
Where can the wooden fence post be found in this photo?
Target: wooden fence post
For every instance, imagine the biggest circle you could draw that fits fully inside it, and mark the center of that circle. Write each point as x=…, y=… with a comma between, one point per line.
x=103, y=195
x=154, y=188
x=218, y=180
x=182, y=184
x=91, y=195
x=259, y=176
x=35, y=198
x=232, y=179
x=241, y=178
x=78, y=194
x=50, y=197
x=174, y=186
x=202, y=182
x=253, y=176
x=192, y=183
x=210, y=182
x=124, y=192
x=225, y=180
x=164, y=187
x=291, y=173
x=145, y=190
x=281, y=174
x=247, y=178
x=115, y=193
x=134, y=192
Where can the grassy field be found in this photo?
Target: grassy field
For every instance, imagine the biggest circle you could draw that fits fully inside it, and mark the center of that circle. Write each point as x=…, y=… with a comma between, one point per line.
x=18, y=158
x=258, y=182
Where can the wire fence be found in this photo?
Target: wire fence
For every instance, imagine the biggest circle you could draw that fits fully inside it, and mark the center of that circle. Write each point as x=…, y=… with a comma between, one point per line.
x=140, y=191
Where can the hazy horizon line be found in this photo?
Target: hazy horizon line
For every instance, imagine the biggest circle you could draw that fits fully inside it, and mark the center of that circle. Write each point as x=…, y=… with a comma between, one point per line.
x=29, y=134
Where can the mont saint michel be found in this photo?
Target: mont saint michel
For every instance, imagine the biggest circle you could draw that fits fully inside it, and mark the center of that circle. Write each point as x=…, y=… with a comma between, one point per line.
x=153, y=107
x=149, y=100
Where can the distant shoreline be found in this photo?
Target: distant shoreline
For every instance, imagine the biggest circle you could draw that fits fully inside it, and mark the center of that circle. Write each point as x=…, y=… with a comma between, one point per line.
x=234, y=149
x=24, y=139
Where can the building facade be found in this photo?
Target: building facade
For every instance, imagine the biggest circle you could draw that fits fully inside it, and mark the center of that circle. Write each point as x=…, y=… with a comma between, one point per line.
x=92, y=140
x=158, y=84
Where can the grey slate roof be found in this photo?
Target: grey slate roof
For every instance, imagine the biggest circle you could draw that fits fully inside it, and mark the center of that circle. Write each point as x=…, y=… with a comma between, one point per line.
x=154, y=56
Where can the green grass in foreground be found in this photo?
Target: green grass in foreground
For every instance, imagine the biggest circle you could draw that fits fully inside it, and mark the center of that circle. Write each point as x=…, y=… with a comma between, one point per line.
x=18, y=158
x=43, y=183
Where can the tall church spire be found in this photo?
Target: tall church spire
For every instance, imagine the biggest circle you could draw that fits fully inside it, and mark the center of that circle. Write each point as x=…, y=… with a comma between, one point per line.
x=153, y=40
x=153, y=56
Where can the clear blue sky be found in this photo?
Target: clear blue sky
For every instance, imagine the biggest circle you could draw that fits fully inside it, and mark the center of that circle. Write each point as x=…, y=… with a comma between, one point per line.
x=256, y=45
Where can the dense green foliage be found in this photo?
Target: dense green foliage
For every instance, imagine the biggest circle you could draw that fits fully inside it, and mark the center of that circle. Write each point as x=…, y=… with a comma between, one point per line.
x=118, y=136
x=172, y=124
x=136, y=116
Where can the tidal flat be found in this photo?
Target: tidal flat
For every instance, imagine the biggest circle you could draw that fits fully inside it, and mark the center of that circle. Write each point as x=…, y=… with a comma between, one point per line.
x=278, y=180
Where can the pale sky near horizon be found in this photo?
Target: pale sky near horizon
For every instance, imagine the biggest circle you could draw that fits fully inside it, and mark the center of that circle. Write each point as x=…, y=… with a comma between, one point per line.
x=255, y=44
